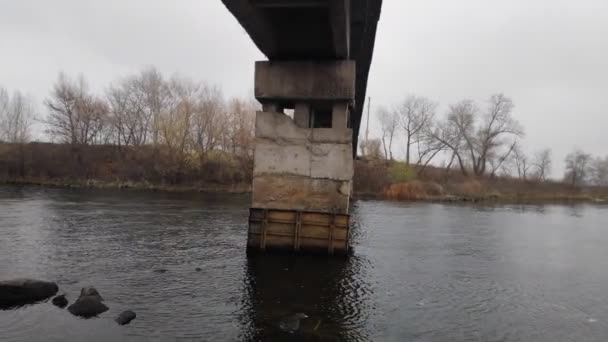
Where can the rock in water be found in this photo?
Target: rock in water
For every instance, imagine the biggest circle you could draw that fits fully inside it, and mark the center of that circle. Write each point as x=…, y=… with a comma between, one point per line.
x=291, y=323
x=89, y=304
x=18, y=292
x=90, y=292
x=125, y=317
x=60, y=301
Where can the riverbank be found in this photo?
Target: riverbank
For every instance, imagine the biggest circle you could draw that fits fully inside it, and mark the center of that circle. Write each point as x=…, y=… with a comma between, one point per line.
x=396, y=181
x=128, y=185
x=415, y=191
x=498, y=198
x=146, y=168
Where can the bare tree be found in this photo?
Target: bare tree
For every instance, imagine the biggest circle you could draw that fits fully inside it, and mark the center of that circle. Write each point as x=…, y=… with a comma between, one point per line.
x=427, y=147
x=415, y=113
x=499, y=163
x=388, y=124
x=577, y=167
x=522, y=163
x=16, y=115
x=454, y=130
x=4, y=102
x=174, y=123
x=496, y=127
x=542, y=164
x=480, y=140
x=599, y=171
x=239, y=127
x=156, y=95
x=75, y=116
x=373, y=148
x=129, y=114
x=207, y=121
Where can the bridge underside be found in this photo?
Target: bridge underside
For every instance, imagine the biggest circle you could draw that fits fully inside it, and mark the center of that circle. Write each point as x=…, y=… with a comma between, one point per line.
x=315, y=30
x=319, y=54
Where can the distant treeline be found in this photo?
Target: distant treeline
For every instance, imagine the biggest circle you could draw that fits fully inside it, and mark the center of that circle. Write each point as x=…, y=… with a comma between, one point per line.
x=145, y=128
x=478, y=140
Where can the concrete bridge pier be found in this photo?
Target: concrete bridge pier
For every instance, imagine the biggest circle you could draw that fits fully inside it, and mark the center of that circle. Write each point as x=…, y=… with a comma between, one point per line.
x=319, y=54
x=303, y=164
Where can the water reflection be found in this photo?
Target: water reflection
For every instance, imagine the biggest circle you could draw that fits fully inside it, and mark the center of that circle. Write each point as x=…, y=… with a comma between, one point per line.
x=330, y=291
x=576, y=210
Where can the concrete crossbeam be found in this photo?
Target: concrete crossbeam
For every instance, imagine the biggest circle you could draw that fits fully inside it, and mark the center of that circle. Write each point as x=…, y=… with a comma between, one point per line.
x=294, y=81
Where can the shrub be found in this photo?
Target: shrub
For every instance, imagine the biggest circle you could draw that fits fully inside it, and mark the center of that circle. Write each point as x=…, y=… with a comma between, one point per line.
x=406, y=191
x=401, y=173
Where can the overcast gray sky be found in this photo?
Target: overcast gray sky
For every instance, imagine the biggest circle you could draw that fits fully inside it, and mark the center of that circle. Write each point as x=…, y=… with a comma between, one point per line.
x=549, y=56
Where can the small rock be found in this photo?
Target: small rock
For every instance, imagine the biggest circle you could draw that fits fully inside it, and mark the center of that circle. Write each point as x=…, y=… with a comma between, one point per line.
x=89, y=304
x=19, y=292
x=125, y=317
x=198, y=269
x=90, y=292
x=60, y=301
x=160, y=270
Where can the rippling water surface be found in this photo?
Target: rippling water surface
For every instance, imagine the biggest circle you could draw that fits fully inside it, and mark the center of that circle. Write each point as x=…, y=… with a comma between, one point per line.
x=419, y=272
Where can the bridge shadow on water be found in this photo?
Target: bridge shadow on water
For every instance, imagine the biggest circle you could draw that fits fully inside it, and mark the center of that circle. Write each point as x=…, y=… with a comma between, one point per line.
x=331, y=292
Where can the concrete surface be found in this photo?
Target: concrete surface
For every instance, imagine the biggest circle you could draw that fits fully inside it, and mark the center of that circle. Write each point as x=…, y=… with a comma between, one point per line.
x=290, y=81
x=301, y=168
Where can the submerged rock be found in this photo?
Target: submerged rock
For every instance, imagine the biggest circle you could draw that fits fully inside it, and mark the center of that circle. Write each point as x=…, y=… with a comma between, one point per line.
x=198, y=269
x=89, y=304
x=125, y=317
x=291, y=323
x=19, y=292
x=160, y=270
x=60, y=301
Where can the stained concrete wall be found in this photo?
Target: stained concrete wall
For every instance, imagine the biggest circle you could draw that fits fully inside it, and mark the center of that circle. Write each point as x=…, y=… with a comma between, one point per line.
x=300, y=168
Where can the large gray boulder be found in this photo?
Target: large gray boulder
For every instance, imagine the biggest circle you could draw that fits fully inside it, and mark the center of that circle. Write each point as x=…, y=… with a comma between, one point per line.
x=19, y=292
x=89, y=304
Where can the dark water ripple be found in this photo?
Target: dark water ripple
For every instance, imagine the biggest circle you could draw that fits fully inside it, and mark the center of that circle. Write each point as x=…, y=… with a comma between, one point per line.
x=420, y=272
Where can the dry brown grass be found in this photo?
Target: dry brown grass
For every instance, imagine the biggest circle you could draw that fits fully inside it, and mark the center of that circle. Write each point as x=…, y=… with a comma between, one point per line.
x=372, y=179
x=109, y=164
x=410, y=191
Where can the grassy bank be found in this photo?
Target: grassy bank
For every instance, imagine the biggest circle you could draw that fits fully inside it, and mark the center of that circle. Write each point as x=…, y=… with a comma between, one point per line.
x=396, y=181
x=144, y=168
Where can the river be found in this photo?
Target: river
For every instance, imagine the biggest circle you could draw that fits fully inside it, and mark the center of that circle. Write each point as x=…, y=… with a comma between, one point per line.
x=419, y=271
